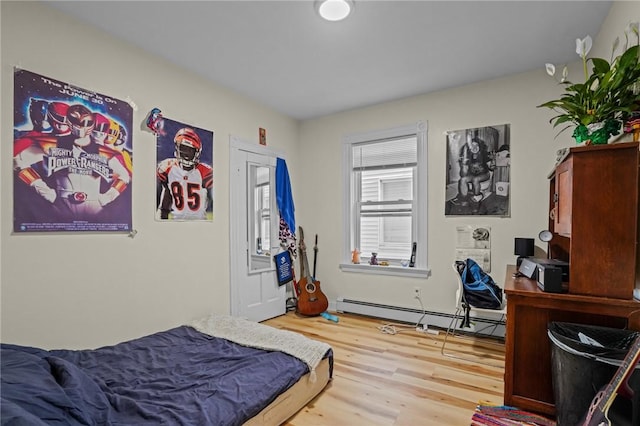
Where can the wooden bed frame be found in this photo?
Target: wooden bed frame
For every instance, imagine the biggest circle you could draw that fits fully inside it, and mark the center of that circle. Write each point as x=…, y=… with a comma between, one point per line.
x=293, y=399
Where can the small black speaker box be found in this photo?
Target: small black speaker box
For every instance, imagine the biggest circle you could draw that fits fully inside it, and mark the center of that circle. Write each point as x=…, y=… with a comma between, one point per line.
x=550, y=279
x=523, y=247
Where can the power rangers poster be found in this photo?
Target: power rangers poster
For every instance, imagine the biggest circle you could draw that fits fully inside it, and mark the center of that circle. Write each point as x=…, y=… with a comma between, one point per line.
x=184, y=173
x=72, y=158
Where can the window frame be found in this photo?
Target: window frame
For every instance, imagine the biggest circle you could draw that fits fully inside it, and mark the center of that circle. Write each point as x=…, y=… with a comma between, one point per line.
x=420, y=194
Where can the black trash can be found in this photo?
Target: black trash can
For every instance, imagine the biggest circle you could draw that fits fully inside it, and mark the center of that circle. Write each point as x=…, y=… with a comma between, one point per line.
x=584, y=358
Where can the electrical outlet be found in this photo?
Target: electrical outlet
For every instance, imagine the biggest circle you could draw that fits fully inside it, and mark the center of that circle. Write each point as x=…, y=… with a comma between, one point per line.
x=416, y=292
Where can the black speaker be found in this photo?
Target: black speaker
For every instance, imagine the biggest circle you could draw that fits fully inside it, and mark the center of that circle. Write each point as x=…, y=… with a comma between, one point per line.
x=550, y=279
x=523, y=247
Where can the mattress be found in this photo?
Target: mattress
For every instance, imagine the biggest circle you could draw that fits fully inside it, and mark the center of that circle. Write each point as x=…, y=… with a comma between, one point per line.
x=179, y=376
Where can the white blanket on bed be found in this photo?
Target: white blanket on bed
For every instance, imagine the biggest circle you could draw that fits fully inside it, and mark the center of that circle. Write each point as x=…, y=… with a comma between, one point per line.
x=252, y=334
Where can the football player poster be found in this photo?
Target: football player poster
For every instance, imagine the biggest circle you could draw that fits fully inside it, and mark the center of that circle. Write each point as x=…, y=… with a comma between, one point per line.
x=72, y=158
x=184, y=173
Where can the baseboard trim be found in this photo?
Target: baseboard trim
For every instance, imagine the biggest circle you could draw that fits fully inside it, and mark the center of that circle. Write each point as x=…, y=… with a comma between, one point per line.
x=487, y=326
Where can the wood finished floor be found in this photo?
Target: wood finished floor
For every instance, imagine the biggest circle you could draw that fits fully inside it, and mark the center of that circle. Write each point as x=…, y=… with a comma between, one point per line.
x=397, y=379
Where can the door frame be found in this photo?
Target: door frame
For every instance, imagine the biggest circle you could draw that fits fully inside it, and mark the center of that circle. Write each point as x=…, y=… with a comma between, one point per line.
x=237, y=144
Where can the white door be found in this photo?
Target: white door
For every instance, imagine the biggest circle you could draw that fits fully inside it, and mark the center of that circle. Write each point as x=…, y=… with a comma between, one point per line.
x=254, y=224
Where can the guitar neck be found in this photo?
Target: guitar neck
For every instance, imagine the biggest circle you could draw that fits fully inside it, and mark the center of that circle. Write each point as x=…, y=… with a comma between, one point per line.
x=315, y=256
x=305, y=264
x=303, y=257
x=622, y=375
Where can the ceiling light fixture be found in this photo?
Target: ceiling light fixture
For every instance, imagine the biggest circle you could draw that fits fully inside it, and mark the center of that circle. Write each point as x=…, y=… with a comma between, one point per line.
x=334, y=10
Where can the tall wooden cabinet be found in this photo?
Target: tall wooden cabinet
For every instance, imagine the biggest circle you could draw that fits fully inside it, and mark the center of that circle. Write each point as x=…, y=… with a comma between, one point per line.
x=593, y=215
x=594, y=219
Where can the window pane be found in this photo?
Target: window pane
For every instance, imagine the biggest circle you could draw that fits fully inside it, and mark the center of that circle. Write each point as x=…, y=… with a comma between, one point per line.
x=369, y=235
x=263, y=220
x=390, y=237
x=266, y=219
x=387, y=185
x=397, y=189
x=386, y=212
x=396, y=230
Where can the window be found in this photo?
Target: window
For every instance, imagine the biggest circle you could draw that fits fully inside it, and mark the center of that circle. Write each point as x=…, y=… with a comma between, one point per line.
x=260, y=208
x=385, y=198
x=263, y=218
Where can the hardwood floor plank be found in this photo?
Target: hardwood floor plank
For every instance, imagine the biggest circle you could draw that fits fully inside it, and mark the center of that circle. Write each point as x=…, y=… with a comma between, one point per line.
x=397, y=379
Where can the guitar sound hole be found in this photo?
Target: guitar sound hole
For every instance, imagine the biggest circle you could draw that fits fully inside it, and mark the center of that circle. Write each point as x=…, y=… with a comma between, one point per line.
x=311, y=288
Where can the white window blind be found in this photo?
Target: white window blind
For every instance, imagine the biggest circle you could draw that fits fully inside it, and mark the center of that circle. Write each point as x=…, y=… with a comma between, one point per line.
x=386, y=154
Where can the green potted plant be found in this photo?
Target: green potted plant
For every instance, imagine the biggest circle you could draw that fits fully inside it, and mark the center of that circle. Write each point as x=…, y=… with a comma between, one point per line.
x=607, y=98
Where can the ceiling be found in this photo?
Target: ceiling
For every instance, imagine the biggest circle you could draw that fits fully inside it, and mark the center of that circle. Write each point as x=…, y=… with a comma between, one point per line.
x=283, y=55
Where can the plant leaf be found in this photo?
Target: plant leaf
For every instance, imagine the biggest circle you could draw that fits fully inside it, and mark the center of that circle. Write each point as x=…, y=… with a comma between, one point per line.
x=600, y=66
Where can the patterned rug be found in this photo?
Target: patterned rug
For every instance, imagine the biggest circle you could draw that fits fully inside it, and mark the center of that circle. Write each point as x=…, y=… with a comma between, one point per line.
x=489, y=415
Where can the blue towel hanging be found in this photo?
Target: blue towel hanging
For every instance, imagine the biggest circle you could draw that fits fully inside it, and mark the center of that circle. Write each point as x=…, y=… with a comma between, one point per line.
x=284, y=197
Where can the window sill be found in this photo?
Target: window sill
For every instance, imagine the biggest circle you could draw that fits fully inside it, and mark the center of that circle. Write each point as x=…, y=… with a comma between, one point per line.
x=385, y=270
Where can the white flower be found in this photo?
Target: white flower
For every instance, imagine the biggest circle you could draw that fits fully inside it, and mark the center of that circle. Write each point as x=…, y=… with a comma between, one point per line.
x=584, y=46
x=551, y=69
x=632, y=28
x=616, y=43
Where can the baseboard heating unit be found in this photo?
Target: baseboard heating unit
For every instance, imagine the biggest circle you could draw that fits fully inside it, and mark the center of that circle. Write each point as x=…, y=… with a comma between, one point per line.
x=494, y=326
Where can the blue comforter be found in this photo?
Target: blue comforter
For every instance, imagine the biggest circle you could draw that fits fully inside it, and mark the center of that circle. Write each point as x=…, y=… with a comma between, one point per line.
x=176, y=377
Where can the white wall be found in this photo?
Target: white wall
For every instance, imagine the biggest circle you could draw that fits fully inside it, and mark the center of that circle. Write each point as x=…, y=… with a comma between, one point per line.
x=509, y=100
x=80, y=291
x=90, y=290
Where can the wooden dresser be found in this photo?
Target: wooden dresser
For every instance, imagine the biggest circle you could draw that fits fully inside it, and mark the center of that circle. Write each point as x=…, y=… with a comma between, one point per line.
x=593, y=216
x=528, y=377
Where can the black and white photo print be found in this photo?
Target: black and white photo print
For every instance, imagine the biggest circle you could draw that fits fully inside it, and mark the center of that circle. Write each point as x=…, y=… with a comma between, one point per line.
x=478, y=171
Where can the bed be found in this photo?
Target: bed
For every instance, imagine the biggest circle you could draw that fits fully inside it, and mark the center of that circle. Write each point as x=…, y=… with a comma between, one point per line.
x=217, y=370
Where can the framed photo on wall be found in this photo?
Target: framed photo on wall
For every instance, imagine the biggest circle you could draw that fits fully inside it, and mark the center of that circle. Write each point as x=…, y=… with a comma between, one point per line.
x=478, y=171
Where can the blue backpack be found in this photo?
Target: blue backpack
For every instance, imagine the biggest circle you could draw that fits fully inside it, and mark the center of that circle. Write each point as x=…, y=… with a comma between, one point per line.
x=480, y=290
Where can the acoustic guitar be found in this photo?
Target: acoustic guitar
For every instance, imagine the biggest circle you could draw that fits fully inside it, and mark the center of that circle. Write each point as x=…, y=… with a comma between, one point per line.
x=598, y=414
x=311, y=300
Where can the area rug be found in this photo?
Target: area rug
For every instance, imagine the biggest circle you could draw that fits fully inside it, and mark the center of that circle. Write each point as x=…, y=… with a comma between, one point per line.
x=489, y=415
